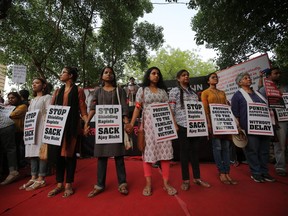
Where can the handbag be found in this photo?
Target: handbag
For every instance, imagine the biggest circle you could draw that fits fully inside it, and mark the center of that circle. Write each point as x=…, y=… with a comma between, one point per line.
x=43, y=152
x=128, y=142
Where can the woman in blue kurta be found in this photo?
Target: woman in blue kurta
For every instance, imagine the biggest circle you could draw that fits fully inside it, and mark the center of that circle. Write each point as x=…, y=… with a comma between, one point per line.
x=257, y=149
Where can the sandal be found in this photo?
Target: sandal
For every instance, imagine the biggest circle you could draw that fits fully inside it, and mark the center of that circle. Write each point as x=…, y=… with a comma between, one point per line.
x=233, y=182
x=170, y=190
x=37, y=184
x=185, y=185
x=224, y=179
x=68, y=192
x=201, y=183
x=147, y=191
x=95, y=191
x=55, y=191
x=123, y=189
x=27, y=184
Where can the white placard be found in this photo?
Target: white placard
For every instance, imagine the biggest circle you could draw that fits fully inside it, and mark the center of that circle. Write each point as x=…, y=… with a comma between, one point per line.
x=196, y=119
x=285, y=99
x=5, y=112
x=162, y=122
x=259, y=120
x=108, y=124
x=282, y=114
x=222, y=119
x=19, y=74
x=54, y=124
x=30, y=126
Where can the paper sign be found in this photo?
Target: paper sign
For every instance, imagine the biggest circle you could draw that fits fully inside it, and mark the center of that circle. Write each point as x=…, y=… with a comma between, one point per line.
x=162, y=122
x=222, y=119
x=196, y=119
x=108, y=124
x=55, y=124
x=259, y=120
x=30, y=127
x=19, y=74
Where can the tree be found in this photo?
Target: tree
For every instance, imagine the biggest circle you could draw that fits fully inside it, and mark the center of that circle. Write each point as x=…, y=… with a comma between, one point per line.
x=170, y=61
x=47, y=35
x=238, y=29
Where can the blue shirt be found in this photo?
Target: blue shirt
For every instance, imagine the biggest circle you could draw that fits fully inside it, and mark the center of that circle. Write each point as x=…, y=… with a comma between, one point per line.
x=239, y=107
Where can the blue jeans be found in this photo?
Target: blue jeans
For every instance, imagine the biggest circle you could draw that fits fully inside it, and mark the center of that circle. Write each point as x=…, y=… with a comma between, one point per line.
x=38, y=167
x=102, y=169
x=257, y=154
x=279, y=147
x=221, y=154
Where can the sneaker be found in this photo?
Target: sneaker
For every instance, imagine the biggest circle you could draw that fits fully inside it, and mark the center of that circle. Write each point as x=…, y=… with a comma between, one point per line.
x=257, y=178
x=268, y=178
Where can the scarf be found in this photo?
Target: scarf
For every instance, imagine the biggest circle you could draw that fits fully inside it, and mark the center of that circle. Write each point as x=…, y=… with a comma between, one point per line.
x=71, y=126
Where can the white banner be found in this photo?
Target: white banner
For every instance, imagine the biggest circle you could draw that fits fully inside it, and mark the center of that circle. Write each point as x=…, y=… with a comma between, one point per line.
x=30, y=127
x=196, y=119
x=19, y=74
x=222, y=119
x=108, y=124
x=259, y=120
x=54, y=124
x=253, y=67
x=163, y=122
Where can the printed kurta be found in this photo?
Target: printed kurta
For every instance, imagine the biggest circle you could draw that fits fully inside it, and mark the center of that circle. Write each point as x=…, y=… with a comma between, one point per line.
x=153, y=151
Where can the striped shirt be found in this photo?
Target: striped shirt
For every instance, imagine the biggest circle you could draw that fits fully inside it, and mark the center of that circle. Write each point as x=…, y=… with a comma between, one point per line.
x=175, y=104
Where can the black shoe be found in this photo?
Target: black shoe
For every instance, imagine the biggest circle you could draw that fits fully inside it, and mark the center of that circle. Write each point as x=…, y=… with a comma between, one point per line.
x=268, y=178
x=280, y=172
x=257, y=178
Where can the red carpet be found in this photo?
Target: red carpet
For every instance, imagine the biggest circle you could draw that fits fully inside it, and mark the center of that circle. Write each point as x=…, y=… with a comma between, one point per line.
x=247, y=198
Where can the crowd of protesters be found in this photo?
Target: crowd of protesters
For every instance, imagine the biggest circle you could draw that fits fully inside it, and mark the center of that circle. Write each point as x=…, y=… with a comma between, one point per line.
x=15, y=154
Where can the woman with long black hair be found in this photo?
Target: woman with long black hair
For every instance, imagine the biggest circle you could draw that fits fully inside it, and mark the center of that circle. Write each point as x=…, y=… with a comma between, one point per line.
x=65, y=156
x=153, y=91
x=109, y=94
x=189, y=146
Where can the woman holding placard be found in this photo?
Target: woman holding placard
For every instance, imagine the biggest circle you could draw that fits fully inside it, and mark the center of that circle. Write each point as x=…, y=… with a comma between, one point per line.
x=41, y=101
x=257, y=149
x=64, y=156
x=220, y=143
x=189, y=146
x=109, y=94
x=153, y=91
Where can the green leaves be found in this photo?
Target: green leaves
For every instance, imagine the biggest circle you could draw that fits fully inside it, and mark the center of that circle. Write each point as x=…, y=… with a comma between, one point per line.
x=48, y=35
x=238, y=29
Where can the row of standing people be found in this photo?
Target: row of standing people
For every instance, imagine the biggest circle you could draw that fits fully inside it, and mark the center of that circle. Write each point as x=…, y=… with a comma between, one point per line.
x=153, y=91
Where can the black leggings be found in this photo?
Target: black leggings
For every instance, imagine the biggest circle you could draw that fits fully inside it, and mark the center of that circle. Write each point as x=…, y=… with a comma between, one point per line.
x=67, y=164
